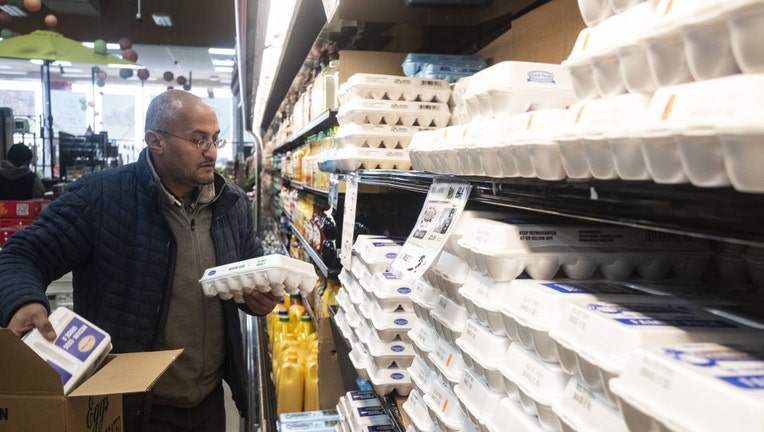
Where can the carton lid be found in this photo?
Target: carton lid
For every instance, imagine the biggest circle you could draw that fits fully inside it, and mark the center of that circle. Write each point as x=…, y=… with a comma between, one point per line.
x=24, y=372
x=128, y=373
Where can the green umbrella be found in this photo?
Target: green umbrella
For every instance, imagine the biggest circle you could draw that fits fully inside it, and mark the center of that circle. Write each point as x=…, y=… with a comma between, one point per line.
x=51, y=46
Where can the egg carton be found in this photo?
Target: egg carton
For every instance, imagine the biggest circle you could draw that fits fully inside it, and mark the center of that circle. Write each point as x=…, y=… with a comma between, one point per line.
x=277, y=274
x=422, y=376
x=443, y=407
x=539, y=384
x=356, y=158
x=392, y=87
x=377, y=252
x=424, y=297
x=582, y=409
x=509, y=415
x=477, y=400
x=392, y=293
x=449, y=73
x=448, y=275
x=531, y=308
x=396, y=354
x=415, y=62
x=505, y=250
x=375, y=136
x=424, y=339
x=389, y=327
x=416, y=410
x=448, y=319
x=447, y=361
x=596, y=339
x=359, y=357
x=694, y=386
x=483, y=297
x=376, y=112
x=482, y=352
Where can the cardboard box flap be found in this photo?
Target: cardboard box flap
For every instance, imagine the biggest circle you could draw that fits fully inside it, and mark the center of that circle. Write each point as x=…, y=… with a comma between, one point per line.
x=128, y=373
x=23, y=371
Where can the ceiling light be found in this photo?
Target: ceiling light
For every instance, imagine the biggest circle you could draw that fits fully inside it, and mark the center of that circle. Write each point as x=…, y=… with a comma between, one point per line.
x=61, y=63
x=222, y=51
x=124, y=66
x=37, y=62
x=13, y=11
x=12, y=72
x=217, y=62
x=162, y=19
x=109, y=46
x=224, y=69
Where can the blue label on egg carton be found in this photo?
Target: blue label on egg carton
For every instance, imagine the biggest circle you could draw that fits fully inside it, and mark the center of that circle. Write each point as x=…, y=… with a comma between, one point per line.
x=79, y=339
x=371, y=412
x=676, y=322
x=750, y=382
x=540, y=76
x=362, y=395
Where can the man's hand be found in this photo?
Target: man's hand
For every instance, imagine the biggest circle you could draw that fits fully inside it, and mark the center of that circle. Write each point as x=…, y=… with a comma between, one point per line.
x=261, y=303
x=31, y=316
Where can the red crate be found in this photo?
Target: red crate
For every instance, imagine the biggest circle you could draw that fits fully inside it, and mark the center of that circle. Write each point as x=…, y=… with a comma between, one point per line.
x=27, y=209
x=7, y=232
x=13, y=222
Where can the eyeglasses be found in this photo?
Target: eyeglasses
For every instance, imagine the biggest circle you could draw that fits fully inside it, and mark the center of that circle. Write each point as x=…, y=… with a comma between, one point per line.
x=203, y=144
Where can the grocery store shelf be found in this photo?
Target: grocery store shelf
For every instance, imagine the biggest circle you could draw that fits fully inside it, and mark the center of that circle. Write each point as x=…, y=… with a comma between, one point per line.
x=714, y=213
x=330, y=273
x=323, y=121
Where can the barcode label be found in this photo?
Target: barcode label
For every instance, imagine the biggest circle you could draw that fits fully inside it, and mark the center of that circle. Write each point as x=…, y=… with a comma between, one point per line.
x=429, y=107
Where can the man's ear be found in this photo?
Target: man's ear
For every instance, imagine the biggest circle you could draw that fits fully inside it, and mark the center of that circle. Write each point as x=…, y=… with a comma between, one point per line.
x=153, y=142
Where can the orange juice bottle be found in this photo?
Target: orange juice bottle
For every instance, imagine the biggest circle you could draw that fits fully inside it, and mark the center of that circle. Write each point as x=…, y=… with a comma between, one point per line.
x=291, y=383
x=280, y=328
x=296, y=310
x=310, y=394
x=304, y=328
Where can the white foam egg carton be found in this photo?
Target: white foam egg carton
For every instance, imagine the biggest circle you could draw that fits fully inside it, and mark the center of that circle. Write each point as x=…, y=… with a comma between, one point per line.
x=389, y=326
x=375, y=136
x=393, y=87
x=447, y=361
x=424, y=298
x=343, y=326
x=356, y=158
x=422, y=376
x=509, y=416
x=701, y=387
x=392, y=293
x=482, y=351
x=505, y=250
x=539, y=384
x=361, y=411
x=448, y=318
x=478, y=401
x=531, y=308
x=424, y=339
x=482, y=300
x=595, y=11
x=360, y=359
x=376, y=252
x=448, y=275
x=277, y=274
x=452, y=243
x=386, y=354
x=416, y=410
x=343, y=301
x=580, y=409
x=354, y=289
x=376, y=112
x=354, y=319
x=595, y=340
x=387, y=380
x=443, y=407
x=704, y=133
x=513, y=87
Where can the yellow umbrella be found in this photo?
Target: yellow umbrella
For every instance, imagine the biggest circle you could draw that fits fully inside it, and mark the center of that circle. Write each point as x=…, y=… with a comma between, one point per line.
x=51, y=46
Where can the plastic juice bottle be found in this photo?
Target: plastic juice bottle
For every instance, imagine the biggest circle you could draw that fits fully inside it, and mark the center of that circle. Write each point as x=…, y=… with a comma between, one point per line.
x=280, y=346
x=329, y=297
x=291, y=383
x=290, y=350
x=280, y=326
x=296, y=310
x=310, y=394
x=273, y=318
x=304, y=328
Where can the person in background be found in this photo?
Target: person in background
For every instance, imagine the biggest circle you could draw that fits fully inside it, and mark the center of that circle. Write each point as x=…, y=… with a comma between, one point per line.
x=17, y=181
x=137, y=239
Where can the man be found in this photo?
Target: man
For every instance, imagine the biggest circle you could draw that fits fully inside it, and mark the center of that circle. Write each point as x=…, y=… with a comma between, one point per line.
x=137, y=239
x=17, y=181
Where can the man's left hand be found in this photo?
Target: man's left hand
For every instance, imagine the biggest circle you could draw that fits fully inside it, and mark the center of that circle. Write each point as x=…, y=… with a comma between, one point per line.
x=261, y=303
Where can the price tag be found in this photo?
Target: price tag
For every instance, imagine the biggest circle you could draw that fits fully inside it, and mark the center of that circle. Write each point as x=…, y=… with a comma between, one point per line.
x=334, y=190
x=348, y=222
x=441, y=210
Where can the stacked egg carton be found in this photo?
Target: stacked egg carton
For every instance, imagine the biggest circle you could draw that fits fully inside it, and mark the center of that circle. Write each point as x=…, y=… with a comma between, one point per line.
x=451, y=68
x=360, y=411
x=378, y=114
x=661, y=95
x=375, y=315
x=508, y=106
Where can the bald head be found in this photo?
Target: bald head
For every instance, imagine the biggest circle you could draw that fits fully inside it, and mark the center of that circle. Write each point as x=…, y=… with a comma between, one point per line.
x=167, y=109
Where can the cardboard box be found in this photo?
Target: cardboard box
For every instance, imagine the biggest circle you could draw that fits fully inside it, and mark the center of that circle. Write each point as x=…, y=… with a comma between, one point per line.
x=330, y=372
x=32, y=395
x=376, y=62
x=28, y=209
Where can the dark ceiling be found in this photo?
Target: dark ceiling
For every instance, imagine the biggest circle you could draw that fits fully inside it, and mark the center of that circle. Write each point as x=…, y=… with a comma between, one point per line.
x=195, y=22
